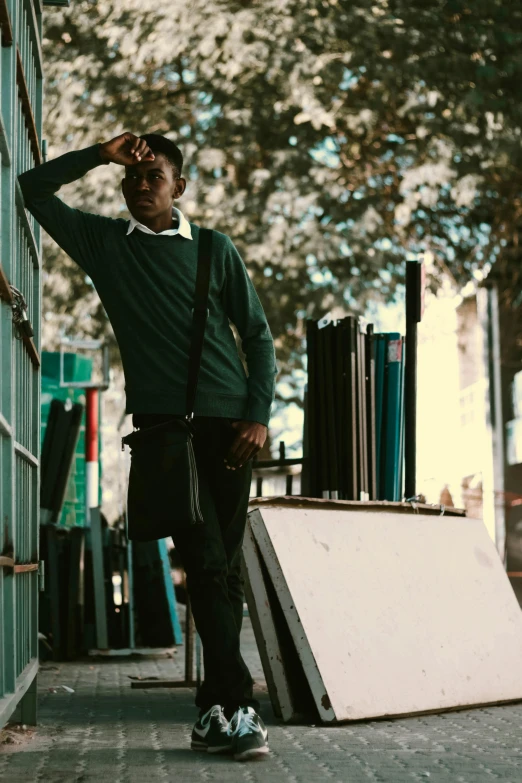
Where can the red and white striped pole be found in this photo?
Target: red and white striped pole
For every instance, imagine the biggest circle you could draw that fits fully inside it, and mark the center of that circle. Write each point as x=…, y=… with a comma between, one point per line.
x=92, y=477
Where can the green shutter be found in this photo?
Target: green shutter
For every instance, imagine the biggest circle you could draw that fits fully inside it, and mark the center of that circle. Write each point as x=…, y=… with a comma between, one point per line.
x=20, y=258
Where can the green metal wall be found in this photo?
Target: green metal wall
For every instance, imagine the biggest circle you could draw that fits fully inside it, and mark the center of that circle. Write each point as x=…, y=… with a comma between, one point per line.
x=20, y=258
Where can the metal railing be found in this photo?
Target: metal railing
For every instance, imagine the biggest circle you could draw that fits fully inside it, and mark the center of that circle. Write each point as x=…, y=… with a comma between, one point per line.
x=20, y=264
x=277, y=476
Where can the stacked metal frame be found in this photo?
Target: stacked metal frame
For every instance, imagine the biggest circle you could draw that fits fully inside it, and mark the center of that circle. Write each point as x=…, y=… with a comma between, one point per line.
x=354, y=417
x=58, y=453
x=76, y=369
x=20, y=310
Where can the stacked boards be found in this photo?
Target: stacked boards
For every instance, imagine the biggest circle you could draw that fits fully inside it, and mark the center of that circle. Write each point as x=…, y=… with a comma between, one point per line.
x=58, y=455
x=354, y=413
x=372, y=610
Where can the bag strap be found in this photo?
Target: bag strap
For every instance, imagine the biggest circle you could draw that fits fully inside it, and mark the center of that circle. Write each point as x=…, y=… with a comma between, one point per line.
x=199, y=315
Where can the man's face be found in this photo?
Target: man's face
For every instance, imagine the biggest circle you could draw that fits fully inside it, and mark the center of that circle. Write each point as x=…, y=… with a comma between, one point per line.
x=150, y=187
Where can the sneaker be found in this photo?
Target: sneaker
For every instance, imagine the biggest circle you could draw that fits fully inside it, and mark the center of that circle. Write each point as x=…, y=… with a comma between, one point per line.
x=249, y=734
x=210, y=732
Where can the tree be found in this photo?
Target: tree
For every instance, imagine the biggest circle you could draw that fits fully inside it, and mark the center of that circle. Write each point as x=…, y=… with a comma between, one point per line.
x=330, y=139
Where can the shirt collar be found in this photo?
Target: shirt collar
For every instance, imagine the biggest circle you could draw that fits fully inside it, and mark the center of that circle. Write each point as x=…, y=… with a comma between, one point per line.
x=182, y=227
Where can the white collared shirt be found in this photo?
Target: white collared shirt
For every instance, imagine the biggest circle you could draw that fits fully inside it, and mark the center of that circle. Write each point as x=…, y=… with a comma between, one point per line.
x=182, y=227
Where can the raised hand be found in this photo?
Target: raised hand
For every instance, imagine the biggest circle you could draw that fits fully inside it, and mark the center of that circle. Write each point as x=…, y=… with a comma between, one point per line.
x=126, y=149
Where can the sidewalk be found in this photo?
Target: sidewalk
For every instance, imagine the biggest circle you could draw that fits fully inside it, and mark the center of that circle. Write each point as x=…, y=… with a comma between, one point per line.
x=106, y=731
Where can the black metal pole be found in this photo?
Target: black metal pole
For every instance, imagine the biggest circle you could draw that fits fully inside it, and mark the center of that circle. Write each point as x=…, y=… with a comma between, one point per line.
x=313, y=477
x=414, y=308
x=361, y=405
x=323, y=451
x=330, y=433
x=340, y=410
x=350, y=341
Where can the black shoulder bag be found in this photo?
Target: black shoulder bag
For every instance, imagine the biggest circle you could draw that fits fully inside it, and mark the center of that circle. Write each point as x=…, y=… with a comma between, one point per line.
x=163, y=482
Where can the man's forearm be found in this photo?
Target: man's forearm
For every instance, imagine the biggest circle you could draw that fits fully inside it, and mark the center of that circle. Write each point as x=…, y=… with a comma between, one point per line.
x=262, y=371
x=78, y=233
x=246, y=312
x=45, y=180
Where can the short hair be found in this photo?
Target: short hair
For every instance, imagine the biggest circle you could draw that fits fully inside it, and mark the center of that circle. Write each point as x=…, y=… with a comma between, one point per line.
x=160, y=144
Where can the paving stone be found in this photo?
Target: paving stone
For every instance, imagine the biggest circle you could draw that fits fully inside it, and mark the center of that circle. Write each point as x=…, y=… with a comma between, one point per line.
x=107, y=731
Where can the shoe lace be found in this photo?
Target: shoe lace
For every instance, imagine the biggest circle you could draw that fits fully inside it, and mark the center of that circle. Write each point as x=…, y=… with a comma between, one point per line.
x=245, y=723
x=217, y=712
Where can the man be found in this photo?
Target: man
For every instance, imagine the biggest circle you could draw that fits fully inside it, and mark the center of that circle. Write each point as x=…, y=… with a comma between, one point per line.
x=145, y=271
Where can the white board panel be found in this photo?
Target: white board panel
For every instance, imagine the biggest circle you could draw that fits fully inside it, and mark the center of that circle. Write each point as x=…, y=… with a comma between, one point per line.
x=264, y=629
x=394, y=614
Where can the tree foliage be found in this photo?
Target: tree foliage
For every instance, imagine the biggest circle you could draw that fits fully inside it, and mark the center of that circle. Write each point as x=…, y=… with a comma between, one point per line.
x=329, y=139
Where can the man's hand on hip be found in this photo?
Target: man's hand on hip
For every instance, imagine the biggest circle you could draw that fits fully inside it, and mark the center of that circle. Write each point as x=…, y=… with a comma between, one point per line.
x=249, y=440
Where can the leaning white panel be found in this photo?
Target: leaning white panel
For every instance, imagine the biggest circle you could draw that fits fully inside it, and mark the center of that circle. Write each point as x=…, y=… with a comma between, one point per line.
x=265, y=632
x=393, y=614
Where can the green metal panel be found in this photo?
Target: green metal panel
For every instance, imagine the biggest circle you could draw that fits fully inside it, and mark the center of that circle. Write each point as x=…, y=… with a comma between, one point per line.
x=20, y=134
x=76, y=369
x=394, y=419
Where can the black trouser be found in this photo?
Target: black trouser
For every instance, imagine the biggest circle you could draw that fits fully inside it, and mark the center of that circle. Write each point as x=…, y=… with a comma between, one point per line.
x=211, y=554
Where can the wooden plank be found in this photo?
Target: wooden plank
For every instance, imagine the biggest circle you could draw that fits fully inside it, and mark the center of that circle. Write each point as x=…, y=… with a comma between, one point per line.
x=286, y=681
x=163, y=684
x=304, y=650
x=188, y=681
x=425, y=618
x=27, y=108
x=264, y=629
x=30, y=347
x=24, y=568
x=5, y=150
x=5, y=290
x=35, y=37
x=295, y=501
x=123, y=651
x=5, y=24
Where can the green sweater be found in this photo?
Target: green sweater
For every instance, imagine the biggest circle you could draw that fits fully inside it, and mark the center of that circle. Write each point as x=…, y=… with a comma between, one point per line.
x=146, y=284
